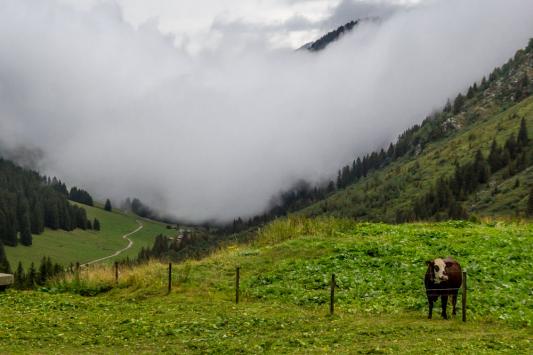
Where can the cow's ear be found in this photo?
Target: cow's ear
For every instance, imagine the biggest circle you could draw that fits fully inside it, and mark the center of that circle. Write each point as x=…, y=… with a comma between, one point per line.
x=429, y=262
x=449, y=264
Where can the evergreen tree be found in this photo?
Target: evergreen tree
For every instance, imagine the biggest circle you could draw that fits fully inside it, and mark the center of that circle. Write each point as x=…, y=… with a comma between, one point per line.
x=458, y=104
x=529, y=210
x=80, y=196
x=522, y=133
x=31, y=277
x=470, y=93
x=4, y=263
x=24, y=222
x=495, y=157
x=480, y=169
x=107, y=205
x=43, y=272
x=484, y=84
x=8, y=218
x=447, y=107
x=20, y=277
x=96, y=224
x=37, y=218
x=511, y=146
x=529, y=47
x=89, y=224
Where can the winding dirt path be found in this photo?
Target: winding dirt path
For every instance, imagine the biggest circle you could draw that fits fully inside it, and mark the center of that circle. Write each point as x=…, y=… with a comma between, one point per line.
x=118, y=252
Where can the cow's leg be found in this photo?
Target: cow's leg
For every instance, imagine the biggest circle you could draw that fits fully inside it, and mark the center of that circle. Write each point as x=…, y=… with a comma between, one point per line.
x=444, y=299
x=430, y=303
x=454, y=302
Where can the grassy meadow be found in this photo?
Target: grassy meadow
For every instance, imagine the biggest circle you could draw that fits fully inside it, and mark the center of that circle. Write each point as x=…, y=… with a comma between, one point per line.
x=85, y=245
x=380, y=303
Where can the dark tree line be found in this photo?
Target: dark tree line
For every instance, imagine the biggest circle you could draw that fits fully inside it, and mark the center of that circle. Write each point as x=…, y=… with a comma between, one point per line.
x=443, y=200
x=36, y=276
x=141, y=209
x=188, y=245
x=30, y=202
x=330, y=37
x=81, y=196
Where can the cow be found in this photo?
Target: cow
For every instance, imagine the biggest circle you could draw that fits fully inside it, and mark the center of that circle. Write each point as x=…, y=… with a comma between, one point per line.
x=443, y=278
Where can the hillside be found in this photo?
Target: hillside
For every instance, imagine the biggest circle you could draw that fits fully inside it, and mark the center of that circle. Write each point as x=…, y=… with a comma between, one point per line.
x=330, y=37
x=387, y=185
x=383, y=192
x=380, y=301
x=65, y=247
x=30, y=202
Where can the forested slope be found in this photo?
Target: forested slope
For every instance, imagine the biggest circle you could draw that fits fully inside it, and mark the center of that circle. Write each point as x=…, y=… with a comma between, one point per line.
x=472, y=157
x=30, y=202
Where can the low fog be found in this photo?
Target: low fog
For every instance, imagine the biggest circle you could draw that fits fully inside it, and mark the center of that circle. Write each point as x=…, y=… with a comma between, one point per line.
x=123, y=111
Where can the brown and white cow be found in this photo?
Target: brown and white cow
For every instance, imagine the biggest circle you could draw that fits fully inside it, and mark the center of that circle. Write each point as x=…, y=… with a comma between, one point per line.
x=443, y=278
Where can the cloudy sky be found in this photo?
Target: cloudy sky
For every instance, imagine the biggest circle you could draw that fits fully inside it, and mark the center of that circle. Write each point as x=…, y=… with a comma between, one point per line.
x=204, y=109
x=200, y=23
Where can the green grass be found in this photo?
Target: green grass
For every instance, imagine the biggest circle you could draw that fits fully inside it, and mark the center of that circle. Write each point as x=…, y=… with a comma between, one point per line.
x=85, y=245
x=380, y=306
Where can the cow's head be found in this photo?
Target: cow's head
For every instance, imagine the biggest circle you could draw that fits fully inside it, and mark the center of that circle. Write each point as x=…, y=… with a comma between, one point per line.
x=437, y=270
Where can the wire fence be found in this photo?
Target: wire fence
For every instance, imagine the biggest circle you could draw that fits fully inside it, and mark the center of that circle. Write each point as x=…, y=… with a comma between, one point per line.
x=227, y=274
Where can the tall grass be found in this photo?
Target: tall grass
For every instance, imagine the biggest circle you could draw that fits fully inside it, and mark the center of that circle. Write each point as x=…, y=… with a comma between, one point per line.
x=95, y=279
x=293, y=226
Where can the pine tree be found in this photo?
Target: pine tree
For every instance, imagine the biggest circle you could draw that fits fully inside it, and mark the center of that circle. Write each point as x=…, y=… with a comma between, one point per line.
x=31, y=277
x=37, y=218
x=107, y=205
x=470, y=93
x=480, y=169
x=495, y=157
x=484, y=84
x=522, y=133
x=447, y=107
x=89, y=224
x=529, y=210
x=4, y=263
x=20, y=277
x=529, y=47
x=43, y=272
x=511, y=146
x=24, y=222
x=96, y=224
x=458, y=104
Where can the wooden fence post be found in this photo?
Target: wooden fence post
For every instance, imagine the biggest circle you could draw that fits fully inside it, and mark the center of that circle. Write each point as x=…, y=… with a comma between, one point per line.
x=77, y=271
x=116, y=272
x=332, y=295
x=169, y=277
x=463, y=298
x=237, y=282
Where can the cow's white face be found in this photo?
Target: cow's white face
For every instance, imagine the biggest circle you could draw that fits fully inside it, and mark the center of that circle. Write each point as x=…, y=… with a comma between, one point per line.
x=439, y=270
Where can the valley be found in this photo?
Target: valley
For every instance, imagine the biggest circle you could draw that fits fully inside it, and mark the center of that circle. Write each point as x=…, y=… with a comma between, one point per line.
x=267, y=202
x=86, y=245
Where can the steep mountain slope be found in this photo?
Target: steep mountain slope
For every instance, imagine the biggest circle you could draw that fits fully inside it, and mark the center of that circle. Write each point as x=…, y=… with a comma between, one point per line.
x=330, y=37
x=387, y=185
